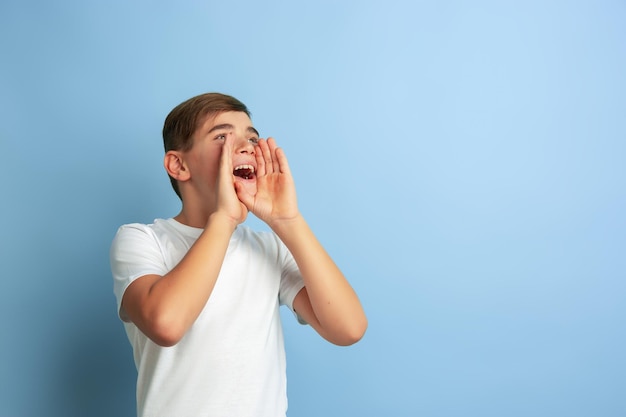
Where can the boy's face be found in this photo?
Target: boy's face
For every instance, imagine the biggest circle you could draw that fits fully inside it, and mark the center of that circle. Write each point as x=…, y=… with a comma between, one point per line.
x=203, y=159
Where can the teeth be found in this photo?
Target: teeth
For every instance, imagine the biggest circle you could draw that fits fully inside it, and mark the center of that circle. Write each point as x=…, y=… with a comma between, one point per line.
x=250, y=167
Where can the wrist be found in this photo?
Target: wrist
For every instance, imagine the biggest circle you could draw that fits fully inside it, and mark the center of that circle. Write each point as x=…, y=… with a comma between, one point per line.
x=222, y=219
x=287, y=225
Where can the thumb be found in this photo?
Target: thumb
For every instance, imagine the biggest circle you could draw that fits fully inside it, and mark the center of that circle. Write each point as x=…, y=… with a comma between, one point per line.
x=244, y=195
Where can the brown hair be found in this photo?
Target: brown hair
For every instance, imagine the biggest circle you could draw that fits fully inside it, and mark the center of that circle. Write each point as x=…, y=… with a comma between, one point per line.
x=183, y=120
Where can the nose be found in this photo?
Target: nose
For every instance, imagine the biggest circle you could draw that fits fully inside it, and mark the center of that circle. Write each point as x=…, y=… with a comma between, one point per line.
x=244, y=145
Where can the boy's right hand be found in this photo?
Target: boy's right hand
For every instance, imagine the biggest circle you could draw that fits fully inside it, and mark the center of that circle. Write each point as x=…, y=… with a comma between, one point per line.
x=227, y=202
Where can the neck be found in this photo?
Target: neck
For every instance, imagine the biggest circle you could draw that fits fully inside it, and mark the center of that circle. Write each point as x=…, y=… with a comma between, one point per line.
x=195, y=214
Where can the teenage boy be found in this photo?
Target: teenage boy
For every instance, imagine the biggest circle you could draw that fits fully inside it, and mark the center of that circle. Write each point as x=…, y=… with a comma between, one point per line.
x=199, y=293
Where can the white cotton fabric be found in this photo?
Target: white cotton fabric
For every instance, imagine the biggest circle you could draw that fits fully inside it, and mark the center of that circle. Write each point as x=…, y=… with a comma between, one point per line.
x=231, y=362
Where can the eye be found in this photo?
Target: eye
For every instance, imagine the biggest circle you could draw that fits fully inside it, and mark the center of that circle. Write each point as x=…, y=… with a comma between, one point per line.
x=221, y=136
x=254, y=140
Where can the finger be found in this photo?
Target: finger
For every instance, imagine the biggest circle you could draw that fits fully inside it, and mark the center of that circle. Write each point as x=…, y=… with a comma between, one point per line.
x=244, y=196
x=271, y=143
x=267, y=156
x=282, y=161
x=225, y=174
x=226, y=160
x=279, y=158
x=260, y=161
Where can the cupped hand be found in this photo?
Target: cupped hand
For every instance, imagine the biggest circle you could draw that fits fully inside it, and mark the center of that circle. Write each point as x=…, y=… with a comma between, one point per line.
x=227, y=200
x=275, y=199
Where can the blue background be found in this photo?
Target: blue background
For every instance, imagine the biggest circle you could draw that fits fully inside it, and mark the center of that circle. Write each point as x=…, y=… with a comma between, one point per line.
x=464, y=162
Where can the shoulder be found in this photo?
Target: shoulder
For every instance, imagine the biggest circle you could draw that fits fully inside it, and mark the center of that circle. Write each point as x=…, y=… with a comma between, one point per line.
x=133, y=228
x=132, y=231
x=158, y=230
x=140, y=249
x=139, y=235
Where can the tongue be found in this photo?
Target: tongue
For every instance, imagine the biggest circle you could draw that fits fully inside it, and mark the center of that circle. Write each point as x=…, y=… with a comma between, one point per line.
x=245, y=173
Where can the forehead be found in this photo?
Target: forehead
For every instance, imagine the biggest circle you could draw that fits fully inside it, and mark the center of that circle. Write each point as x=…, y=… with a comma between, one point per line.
x=238, y=119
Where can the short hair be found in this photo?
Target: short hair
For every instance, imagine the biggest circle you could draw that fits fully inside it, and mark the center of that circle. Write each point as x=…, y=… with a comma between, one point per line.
x=181, y=123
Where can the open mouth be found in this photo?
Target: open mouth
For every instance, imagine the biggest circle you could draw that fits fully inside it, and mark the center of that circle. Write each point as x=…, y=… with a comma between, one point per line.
x=244, y=171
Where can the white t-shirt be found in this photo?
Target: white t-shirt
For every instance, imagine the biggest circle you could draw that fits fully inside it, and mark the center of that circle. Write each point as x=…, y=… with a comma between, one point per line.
x=231, y=362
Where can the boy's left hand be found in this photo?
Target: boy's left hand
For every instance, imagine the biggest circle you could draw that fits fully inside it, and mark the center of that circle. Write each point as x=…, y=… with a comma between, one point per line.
x=275, y=199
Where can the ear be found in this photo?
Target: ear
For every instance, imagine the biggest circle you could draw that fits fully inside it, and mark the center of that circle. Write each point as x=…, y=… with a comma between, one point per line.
x=175, y=166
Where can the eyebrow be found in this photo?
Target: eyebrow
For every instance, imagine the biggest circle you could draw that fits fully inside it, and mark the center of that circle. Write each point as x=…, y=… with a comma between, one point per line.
x=225, y=126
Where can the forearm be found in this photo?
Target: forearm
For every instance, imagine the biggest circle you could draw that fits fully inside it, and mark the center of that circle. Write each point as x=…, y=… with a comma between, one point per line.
x=170, y=304
x=329, y=302
x=334, y=302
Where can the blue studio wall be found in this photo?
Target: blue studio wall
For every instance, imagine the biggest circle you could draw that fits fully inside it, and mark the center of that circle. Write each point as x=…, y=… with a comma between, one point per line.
x=462, y=161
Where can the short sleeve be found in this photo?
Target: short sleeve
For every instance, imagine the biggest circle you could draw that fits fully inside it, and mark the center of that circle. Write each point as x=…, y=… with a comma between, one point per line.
x=291, y=280
x=135, y=252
